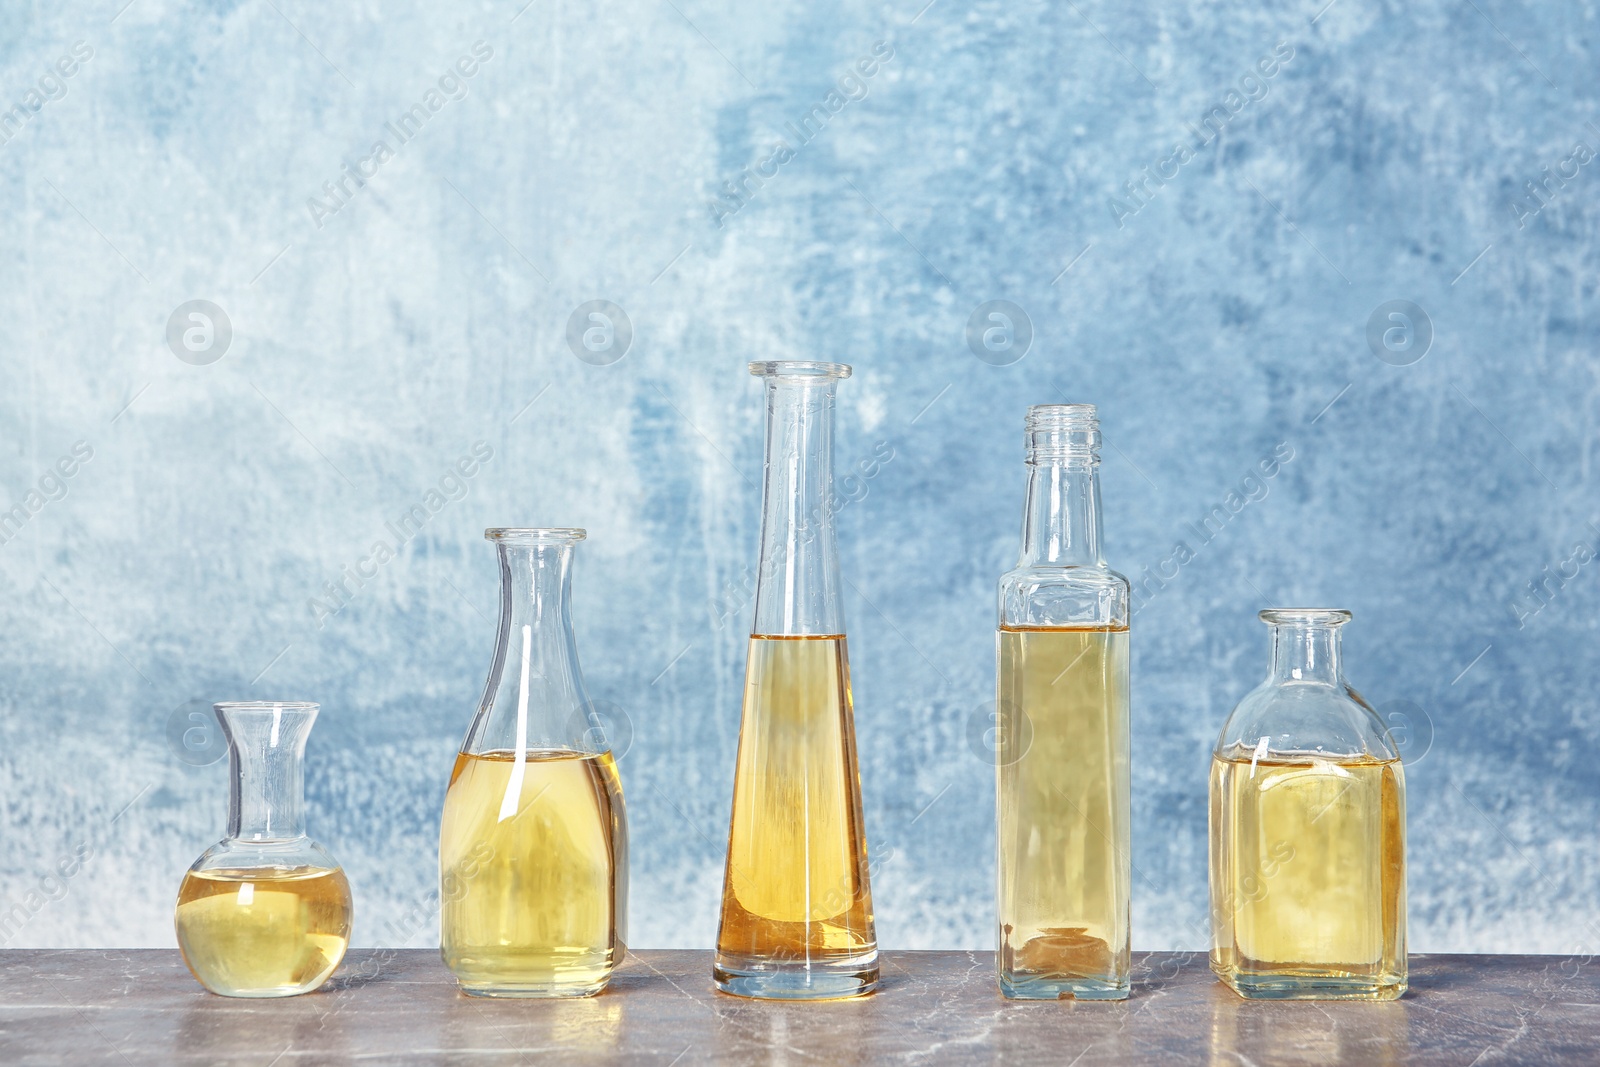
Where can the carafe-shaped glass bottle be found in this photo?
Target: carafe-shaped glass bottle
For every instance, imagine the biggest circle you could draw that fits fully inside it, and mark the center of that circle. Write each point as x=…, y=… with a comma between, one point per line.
x=265, y=912
x=1308, y=830
x=533, y=845
x=1062, y=775
x=796, y=904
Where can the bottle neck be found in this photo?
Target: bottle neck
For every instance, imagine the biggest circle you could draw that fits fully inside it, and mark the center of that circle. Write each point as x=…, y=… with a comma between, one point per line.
x=266, y=758
x=1061, y=523
x=1302, y=653
x=797, y=586
x=536, y=593
x=535, y=689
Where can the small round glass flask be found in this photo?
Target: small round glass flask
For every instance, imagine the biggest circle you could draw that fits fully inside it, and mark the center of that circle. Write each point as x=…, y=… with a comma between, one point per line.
x=533, y=845
x=1308, y=830
x=265, y=912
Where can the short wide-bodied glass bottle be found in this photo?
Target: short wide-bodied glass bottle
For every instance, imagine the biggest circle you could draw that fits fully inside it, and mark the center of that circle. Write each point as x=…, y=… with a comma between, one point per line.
x=265, y=912
x=1308, y=830
x=796, y=904
x=533, y=845
x=1062, y=761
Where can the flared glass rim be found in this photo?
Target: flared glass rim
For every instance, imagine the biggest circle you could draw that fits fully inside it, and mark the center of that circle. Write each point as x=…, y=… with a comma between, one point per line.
x=1305, y=616
x=535, y=535
x=266, y=705
x=801, y=370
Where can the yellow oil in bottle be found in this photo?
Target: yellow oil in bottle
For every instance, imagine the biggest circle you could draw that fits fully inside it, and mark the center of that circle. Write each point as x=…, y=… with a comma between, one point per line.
x=1063, y=812
x=1308, y=887
x=263, y=932
x=532, y=903
x=796, y=903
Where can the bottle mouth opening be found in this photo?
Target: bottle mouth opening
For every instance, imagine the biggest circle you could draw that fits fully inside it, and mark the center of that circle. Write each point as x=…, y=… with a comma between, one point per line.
x=1066, y=418
x=1305, y=616
x=801, y=371
x=1063, y=433
x=249, y=706
x=535, y=535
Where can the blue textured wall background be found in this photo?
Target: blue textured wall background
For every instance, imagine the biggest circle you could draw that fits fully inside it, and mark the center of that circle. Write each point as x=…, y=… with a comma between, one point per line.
x=1219, y=316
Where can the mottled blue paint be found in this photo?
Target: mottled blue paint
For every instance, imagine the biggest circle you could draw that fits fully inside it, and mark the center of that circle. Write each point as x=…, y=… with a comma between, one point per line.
x=1217, y=321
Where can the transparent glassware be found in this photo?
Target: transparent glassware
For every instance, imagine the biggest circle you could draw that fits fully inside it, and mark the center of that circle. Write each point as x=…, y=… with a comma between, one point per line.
x=796, y=903
x=265, y=912
x=1062, y=778
x=533, y=844
x=1308, y=830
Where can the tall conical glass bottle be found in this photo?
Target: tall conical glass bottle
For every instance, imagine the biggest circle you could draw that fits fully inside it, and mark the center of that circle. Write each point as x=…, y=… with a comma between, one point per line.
x=533, y=845
x=1308, y=830
x=1062, y=773
x=796, y=904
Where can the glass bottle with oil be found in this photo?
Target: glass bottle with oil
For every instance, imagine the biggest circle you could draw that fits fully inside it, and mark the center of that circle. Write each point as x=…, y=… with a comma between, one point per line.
x=1308, y=830
x=533, y=844
x=1061, y=754
x=796, y=904
x=265, y=912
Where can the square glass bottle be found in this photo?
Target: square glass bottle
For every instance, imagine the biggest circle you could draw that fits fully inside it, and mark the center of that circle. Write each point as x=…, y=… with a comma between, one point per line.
x=1308, y=830
x=1062, y=774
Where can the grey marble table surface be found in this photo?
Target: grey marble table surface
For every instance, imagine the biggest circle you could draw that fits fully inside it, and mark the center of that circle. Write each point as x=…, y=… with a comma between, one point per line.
x=142, y=1007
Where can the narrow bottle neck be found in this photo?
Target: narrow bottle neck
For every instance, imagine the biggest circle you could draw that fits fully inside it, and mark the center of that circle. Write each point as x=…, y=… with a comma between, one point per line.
x=536, y=655
x=1061, y=523
x=797, y=587
x=268, y=803
x=536, y=591
x=1306, y=654
x=266, y=760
